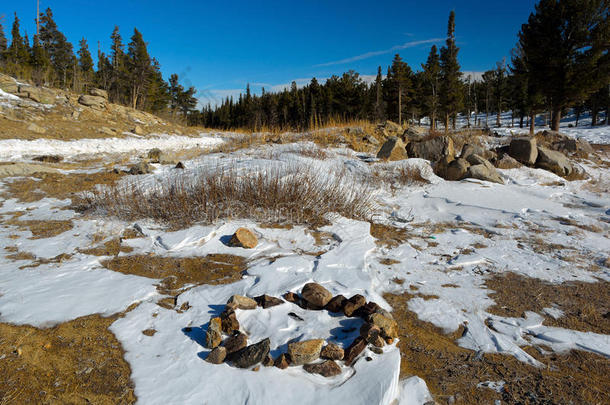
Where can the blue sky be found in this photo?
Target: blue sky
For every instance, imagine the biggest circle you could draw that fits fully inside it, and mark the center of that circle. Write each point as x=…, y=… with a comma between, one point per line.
x=219, y=46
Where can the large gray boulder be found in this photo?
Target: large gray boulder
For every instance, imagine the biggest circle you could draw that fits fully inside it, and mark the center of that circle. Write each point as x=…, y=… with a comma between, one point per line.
x=99, y=93
x=553, y=161
x=8, y=84
x=481, y=169
x=433, y=149
x=95, y=102
x=471, y=149
x=524, y=150
x=456, y=170
x=392, y=149
x=414, y=134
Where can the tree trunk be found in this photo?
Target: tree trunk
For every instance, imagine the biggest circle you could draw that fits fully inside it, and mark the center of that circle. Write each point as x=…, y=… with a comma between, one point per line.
x=556, y=119
x=521, y=121
x=593, y=116
x=446, y=122
x=399, y=105
x=532, y=123
x=577, y=116
x=433, y=121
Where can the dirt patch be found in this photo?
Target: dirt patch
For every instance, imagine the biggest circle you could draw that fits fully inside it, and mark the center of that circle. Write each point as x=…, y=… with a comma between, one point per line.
x=42, y=229
x=452, y=373
x=176, y=272
x=110, y=248
x=586, y=306
x=388, y=236
x=75, y=362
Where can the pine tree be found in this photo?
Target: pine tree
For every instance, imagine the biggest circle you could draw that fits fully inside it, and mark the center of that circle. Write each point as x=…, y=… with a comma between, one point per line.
x=17, y=55
x=451, y=94
x=565, y=48
x=379, y=107
x=58, y=48
x=40, y=62
x=138, y=67
x=3, y=42
x=431, y=82
x=85, y=63
x=157, y=96
x=499, y=88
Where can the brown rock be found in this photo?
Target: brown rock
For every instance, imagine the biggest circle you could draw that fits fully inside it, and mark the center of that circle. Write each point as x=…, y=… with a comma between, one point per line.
x=155, y=155
x=305, y=352
x=138, y=130
x=251, y=355
x=99, y=93
x=524, y=150
x=140, y=168
x=243, y=238
x=354, y=350
x=378, y=342
x=267, y=301
x=392, y=149
x=236, y=342
x=353, y=304
x=336, y=304
x=370, y=332
x=456, y=170
x=241, y=302
x=316, y=295
x=49, y=158
x=327, y=369
x=217, y=355
x=332, y=351
x=434, y=149
x=268, y=362
x=388, y=326
x=97, y=103
x=367, y=309
x=507, y=162
x=229, y=322
x=179, y=165
x=291, y=297
x=282, y=362
x=36, y=129
x=553, y=161
x=213, y=335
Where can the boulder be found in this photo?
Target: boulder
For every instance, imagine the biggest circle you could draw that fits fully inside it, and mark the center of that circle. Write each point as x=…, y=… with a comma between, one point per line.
x=336, y=304
x=370, y=332
x=140, y=168
x=229, y=322
x=357, y=346
x=99, y=93
x=414, y=134
x=267, y=301
x=213, y=336
x=108, y=131
x=282, y=362
x=434, y=149
x=316, y=295
x=155, y=155
x=235, y=342
x=8, y=84
x=455, y=170
x=388, y=326
x=471, y=149
x=353, y=304
x=370, y=139
x=332, y=352
x=507, y=162
x=95, y=102
x=268, y=361
x=36, y=129
x=251, y=355
x=243, y=238
x=553, y=161
x=138, y=130
x=217, y=355
x=305, y=352
x=327, y=369
x=392, y=149
x=485, y=172
x=367, y=310
x=38, y=94
x=241, y=302
x=524, y=150
x=179, y=165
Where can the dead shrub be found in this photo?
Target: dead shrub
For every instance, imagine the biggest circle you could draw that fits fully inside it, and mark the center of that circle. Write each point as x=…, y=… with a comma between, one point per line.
x=280, y=194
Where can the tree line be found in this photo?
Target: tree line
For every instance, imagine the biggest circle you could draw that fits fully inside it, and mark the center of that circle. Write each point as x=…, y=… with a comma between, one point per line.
x=130, y=75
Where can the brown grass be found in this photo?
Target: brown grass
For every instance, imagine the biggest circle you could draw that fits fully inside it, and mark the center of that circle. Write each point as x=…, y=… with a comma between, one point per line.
x=109, y=248
x=42, y=229
x=279, y=195
x=586, y=306
x=76, y=362
x=452, y=372
x=388, y=236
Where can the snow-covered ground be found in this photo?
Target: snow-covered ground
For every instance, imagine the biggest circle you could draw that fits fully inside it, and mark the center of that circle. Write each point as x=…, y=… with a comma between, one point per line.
x=491, y=220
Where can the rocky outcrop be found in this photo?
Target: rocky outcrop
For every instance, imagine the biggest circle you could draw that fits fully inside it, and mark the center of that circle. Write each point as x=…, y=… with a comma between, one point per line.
x=388, y=326
x=414, y=134
x=316, y=295
x=217, y=355
x=507, y=162
x=353, y=304
x=471, y=149
x=553, y=161
x=243, y=238
x=481, y=169
x=140, y=168
x=155, y=155
x=305, y=352
x=524, y=150
x=95, y=102
x=99, y=93
x=36, y=129
x=393, y=149
x=434, y=150
x=267, y=301
x=241, y=302
x=456, y=170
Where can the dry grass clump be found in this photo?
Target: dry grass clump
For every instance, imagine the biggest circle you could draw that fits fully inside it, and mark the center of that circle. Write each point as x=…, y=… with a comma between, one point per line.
x=279, y=195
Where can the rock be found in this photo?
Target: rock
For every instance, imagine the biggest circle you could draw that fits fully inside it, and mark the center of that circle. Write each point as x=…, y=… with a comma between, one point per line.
x=553, y=161
x=370, y=332
x=229, y=322
x=244, y=238
x=37, y=94
x=507, y=162
x=378, y=342
x=388, y=326
x=474, y=159
x=95, y=102
x=292, y=297
x=327, y=369
x=316, y=295
x=251, y=355
x=138, y=130
x=241, y=302
x=358, y=131
x=455, y=170
x=282, y=362
x=179, y=165
x=268, y=361
x=8, y=84
x=213, y=336
x=49, y=158
x=332, y=351
x=484, y=172
x=36, y=129
x=393, y=128
x=470, y=149
x=367, y=310
x=217, y=355
x=140, y=168
x=392, y=149
x=523, y=150
x=434, y=149
x=108, y=131
x=353, y=304
x=370, y=139
x=336, y=304
x=155, y=155
x=99, y=93
x=305, y=352
x=236, y=342
x=414, y=134
x=267, y=301
x=357, y=346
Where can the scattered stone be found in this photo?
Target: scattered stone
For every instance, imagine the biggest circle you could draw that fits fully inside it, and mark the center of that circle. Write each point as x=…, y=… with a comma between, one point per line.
x=149, y=332
x=435, y=149
x=107, y=131
x=95, y=102
x=367, y=309
x=36, y=129
x=507, y=162
x=291, y=297
x=327, y=369
x=267, y=301
x=217, y=355
x=523, y=150
x=388, y=326
x=255, y=369
x=368, y=358
x=236, y=342
x=470, y=149
x=282, y=362
x=229, y=322
x=179, y=165
x=305, y=352
x=138, y=130
x=251, y=355
x=357, y=346
x=241, y=302
x=213, y=336
x=140, y=168
x=295, y=316
x=377, y=350
x=378, y=342
x=316, y=295
x=414, y=134
x=553, y=161
x=268, y=362
x=332, y=351
x=392, y=149
x=336, y=303
x=455, y=170
x=485, y=171
x=99, y=93
x=244, y=238
x=353, y=304
x=370, y=332
x=155, y=155
x=49, y=158
x=370, y=139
